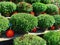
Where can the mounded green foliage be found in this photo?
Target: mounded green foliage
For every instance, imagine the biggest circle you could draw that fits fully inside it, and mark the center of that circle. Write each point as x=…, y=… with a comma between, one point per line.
x=17, y=1
x=57, y=20
x=4, y=23
x=55, y=1
x=39, y=7
x=45, y=20
x=7, y=7
x=52, y=9
x=29, y=40
x=32, y=1
x=52, y=38
x=23, y=22
x=24, y=7
x=45, y=1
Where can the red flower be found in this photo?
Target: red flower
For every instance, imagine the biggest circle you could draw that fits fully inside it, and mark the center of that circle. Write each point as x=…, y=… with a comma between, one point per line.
x=15, y=12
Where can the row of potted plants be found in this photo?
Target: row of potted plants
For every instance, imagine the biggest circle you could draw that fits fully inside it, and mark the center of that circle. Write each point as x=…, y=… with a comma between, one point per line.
x=22, y=22
x=9, y=8
x=26, y=22
x=50, y=38
x=30, y=1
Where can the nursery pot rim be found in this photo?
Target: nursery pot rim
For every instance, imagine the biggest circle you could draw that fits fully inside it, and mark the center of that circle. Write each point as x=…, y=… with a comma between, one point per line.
x=5, y=39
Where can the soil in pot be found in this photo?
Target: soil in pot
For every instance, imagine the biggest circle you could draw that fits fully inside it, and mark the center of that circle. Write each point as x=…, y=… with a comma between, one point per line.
x=6, y=15
x=36, y=14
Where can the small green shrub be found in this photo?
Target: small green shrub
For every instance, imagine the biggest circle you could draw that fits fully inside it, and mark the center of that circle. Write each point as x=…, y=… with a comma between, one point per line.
x=39, y=7
x=52, y=38
x=52, y=9
x=17, y=1
x=24, y=7
x=32, y=1
x=7, y=7
x=46, y=1
x=29, y=40
x=57, y=20
x=56, y=3
x=45, y=20
x=4, y=23
x=23, y=22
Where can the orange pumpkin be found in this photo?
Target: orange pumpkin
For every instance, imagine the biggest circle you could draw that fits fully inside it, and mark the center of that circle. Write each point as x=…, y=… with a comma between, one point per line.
x=15, y=12
x=53, y=28
x=10, y=33
x=32, y=13
x=34, y=30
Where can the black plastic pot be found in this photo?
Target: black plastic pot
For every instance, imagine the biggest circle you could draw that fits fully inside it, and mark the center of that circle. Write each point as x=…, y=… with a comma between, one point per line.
x=8, y=42
x=43, y=29
x=36, y=14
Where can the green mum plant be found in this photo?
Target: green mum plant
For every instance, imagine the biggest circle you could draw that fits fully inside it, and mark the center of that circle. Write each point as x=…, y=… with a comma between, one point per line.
x=4, y=23
x=39, y=7
x=46, y=1
x=29, y=40
x=32, y=1
x=24, y=7
x=56, y=2
x=57, y=20
x=45, y=21
x=23, y=22
x=52, y=38
x=7, y=8
x=52, y=9
x=17, y=1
